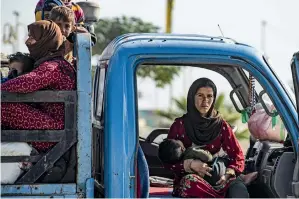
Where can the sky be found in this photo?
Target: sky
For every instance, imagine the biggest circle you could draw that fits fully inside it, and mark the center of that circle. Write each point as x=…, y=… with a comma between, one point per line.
x=240, y=20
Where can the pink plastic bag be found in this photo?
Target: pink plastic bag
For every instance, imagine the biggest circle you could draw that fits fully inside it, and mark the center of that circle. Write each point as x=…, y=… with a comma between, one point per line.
x=260, y=125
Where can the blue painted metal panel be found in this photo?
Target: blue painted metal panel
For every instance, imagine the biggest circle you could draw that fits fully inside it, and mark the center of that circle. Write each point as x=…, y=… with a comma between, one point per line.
x=120, y=133
x=145, y=38
x=39, y=189
x=125, y=51
x=84, y=145
x=90, y=188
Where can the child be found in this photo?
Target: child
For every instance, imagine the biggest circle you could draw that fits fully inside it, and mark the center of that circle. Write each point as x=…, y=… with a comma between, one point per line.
x=62, y=13
x=173, y=151
x=19, y=64
x=44, y=7
x=64, y=17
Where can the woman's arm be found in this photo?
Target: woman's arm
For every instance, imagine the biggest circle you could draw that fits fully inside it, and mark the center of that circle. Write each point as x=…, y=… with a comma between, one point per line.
x=39, y=78
x=231, y=146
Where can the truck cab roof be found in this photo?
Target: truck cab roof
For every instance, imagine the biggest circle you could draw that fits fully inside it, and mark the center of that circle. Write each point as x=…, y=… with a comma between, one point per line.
x=179, y=44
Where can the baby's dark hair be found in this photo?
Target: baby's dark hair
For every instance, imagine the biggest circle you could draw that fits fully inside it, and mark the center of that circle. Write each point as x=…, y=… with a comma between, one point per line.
x=170, y=151
x=24, y=58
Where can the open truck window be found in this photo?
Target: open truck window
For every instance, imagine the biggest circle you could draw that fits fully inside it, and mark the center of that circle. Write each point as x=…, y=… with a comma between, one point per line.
x=247, y=107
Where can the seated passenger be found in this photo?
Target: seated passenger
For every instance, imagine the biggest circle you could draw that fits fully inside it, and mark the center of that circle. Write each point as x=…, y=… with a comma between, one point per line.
x=51, y=72
x=173, y=151
x=43, y=8
x=203, y=126
x=67, y=20
x=19, y=64
x=64, y=17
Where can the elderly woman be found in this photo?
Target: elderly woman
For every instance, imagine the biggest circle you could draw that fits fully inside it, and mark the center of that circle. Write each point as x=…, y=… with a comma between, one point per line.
x=203, y=126
x=51, y=72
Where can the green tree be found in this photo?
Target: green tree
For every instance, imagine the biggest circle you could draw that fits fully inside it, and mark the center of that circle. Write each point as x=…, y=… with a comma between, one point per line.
x=227, y=112
x=109, y=28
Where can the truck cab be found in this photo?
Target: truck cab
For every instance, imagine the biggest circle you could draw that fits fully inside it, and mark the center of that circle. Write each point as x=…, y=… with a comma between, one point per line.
x=116, y=110
x=112, y=159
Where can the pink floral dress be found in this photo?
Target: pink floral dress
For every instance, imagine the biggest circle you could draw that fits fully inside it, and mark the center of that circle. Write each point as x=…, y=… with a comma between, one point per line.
x=50, y=75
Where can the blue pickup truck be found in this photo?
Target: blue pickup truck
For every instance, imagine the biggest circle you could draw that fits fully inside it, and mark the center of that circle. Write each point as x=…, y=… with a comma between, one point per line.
x=102, y=119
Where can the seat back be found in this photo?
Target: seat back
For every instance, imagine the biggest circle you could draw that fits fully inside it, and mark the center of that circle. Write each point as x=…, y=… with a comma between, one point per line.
x=150, y=147
x=156, y=133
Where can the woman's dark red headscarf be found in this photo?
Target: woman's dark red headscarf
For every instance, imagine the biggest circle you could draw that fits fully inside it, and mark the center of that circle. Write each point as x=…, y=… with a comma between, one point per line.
x=201, y=130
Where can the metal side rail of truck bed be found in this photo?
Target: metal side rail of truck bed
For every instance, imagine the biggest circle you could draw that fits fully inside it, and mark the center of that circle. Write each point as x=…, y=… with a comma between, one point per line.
x=75, y=136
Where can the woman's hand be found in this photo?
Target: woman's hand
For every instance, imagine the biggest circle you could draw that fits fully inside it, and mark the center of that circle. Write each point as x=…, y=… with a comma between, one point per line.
x=200, y=168
x=223, y=179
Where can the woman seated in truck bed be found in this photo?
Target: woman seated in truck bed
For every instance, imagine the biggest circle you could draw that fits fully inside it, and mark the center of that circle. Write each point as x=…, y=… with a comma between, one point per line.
x=51, y=72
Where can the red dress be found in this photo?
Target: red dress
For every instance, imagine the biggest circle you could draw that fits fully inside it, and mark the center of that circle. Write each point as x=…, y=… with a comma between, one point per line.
x=191, y=185
x=48, y=76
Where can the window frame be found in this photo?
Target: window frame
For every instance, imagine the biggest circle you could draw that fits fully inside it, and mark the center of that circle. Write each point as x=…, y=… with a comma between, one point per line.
x=99, y=90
